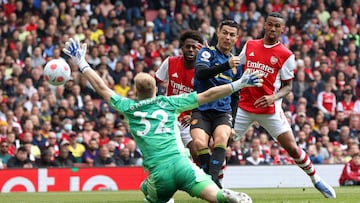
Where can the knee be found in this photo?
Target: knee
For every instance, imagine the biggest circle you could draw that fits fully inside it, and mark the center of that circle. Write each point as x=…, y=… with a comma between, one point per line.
x=199, y=144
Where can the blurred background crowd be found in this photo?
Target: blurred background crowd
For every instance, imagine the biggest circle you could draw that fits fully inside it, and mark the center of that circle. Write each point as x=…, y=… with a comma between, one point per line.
x=47, y=126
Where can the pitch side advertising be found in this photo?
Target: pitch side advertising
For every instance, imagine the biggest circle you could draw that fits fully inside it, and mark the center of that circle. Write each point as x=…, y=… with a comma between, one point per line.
x=71, y=179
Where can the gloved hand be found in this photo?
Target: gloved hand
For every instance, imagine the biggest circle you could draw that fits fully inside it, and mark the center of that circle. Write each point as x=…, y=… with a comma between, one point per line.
x=248, y=79
x=77, y=53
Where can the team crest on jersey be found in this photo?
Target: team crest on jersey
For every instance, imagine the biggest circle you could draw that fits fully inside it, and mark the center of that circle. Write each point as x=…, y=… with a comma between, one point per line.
x=194, y=122
x=205, y=56
x=273, y=60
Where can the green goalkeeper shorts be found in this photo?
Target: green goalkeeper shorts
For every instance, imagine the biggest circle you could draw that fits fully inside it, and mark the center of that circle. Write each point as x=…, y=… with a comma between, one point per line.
x=178, y=174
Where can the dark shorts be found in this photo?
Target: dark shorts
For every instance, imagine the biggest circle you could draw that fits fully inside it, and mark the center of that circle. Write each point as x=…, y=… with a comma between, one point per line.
x=210, y=119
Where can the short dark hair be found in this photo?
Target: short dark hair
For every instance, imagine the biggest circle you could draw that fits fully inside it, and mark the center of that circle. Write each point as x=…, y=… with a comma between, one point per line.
x=190, y=34
x=230, y=23
x=275, y=15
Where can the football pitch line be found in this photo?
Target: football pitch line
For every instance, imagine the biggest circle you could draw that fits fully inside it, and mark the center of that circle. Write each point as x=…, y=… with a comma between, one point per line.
x=259, y=195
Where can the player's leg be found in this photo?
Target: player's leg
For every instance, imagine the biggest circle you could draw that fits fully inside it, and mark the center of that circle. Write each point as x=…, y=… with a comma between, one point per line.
x=243, y=120
x=221, y=136
x=278, y=126
x=160, y=185
x=194, y=181
x=200, y=130
x=188, y=141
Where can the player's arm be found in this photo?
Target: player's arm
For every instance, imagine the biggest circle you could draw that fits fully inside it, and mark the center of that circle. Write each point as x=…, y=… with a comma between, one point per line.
x=204, y=70
x=161, y=75
x=247, y=80
x=77, y=53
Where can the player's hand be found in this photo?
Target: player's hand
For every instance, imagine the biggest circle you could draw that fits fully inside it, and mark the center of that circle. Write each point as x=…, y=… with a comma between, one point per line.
x=77, y=52
x=185, y=121
x=264, y=101
x=250, y=79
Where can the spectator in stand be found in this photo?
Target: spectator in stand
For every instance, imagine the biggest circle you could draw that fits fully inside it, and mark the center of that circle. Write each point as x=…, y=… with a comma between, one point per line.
x=322, y=151
x=337, y=156
x=300, y=84
x=354, y=126
x=76, y=147
x=234, y=155
x=352, y=149
x=52, y=141
x=47, y=160
x=346, y=104
x=125, y=158
x=334, y=133
x=4, y=155
x=65, y=158
x=314, y=154
x=104, y=159
x=350, y=175
x=326, y=102
x=91, y=152
x=20, y=160
x=38, y=139
x=255, y=158
x=344, y=136
x=89, y=132
x=104, y=135
x=123, y=87
x=311, y=94
x=275, y=158
x=162, y=23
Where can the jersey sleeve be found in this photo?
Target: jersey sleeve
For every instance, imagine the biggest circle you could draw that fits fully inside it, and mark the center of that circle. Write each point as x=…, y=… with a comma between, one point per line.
x=119, y=103
x=184, y=102
x=162, y=73
x=287, y=71
x=242, y=54
x=204, y=57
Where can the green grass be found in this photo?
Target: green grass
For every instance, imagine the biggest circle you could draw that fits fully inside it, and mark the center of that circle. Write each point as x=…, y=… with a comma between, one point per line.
x=266, y=195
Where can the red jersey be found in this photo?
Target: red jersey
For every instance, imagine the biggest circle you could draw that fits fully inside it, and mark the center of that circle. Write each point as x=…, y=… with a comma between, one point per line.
x=346, y=107
x=350, y=172
x=326, y=101
x=276, y=63
x=180, y=78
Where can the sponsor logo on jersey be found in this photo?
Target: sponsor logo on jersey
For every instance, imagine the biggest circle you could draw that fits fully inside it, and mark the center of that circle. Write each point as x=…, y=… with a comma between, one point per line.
x=205, y=56
x=273, y=60
x=263, y=68
x=252, y=54
x=174, y=75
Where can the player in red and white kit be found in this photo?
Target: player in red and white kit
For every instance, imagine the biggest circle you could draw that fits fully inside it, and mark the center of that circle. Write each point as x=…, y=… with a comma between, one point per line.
x=263, y=105
x=178, y=71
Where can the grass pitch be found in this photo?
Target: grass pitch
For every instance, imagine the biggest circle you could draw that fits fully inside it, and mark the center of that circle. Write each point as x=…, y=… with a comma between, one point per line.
x=263, y=195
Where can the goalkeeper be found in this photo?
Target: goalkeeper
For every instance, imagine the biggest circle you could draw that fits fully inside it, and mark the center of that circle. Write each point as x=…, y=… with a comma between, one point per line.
x=152, y=122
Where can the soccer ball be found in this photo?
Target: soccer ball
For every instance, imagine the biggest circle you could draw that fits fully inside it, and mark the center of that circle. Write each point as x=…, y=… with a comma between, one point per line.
x=57, y=72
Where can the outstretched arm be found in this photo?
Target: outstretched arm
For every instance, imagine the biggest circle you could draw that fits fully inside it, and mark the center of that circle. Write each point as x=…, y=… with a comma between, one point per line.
x=77, y=52
x=247, y=80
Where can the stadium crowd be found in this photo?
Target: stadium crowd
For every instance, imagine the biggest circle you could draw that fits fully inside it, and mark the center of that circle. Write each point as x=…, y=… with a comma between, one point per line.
x=63, y=126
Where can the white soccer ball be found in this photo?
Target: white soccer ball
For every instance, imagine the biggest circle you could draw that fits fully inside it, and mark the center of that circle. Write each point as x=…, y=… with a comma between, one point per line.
x=57, y=72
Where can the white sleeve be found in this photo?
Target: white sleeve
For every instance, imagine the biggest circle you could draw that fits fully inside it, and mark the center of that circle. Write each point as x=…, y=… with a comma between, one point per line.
x=357, y=107
x=320, y=103
x=242, y=54
x=287, y=71
x=339, y=107
x=334, y=103
x=163, y=71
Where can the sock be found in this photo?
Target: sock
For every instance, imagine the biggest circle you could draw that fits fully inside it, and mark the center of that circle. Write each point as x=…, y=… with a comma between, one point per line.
x=216, y=162
x=220, y=197
x=204, y=157
x=304, y=162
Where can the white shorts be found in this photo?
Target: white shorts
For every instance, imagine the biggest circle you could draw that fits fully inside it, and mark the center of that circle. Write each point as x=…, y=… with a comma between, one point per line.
x=185, y=134
x=275, y=124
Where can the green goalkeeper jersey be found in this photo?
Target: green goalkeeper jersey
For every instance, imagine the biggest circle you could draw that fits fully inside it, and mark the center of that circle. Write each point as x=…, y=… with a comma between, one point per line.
x=153, y=123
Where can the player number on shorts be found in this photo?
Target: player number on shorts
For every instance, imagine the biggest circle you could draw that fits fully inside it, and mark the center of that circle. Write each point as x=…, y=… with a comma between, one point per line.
x=160, y=126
